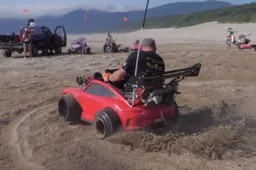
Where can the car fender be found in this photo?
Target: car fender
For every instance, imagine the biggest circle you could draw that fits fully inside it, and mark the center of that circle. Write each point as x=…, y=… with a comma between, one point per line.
x=75, y=92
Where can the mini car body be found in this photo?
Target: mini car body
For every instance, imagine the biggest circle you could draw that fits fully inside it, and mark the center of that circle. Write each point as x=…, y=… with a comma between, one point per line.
x=144, y=102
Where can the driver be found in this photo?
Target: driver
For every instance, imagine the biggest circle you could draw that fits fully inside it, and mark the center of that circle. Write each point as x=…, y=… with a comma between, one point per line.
x=150, y=63
x=108, y=40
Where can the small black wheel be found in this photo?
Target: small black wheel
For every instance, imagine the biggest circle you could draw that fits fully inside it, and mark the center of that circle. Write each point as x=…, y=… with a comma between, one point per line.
x=128, y=49
x=88, y=50
x=45, y=52
x=68, y=108
x=106, y=122
x=58, y=50
x=7, y=53
x=109, y=49
x=69, y=51
x=34, y=51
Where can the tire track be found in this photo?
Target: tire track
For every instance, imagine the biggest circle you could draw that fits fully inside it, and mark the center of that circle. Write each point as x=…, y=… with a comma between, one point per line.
x=20, y=152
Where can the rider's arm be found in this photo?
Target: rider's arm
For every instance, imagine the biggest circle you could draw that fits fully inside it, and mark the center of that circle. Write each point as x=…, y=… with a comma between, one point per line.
x=117, y=75
x=122, y=72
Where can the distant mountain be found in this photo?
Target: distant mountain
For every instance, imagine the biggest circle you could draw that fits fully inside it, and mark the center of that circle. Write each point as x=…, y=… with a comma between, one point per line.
x=100, y=21
x=237, y=14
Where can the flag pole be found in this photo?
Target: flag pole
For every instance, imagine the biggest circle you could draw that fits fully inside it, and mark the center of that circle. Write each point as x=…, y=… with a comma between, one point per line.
x=141, y=32
x=138, y=53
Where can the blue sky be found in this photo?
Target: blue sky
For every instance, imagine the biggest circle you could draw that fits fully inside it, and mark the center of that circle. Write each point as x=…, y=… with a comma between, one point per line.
x=14, y=8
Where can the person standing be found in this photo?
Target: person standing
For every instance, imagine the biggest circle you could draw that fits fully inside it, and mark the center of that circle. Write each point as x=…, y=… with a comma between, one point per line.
x=26, y=37
x=26, y=43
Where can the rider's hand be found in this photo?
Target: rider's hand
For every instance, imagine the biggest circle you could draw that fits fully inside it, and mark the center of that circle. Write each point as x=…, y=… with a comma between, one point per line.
x=106, y=76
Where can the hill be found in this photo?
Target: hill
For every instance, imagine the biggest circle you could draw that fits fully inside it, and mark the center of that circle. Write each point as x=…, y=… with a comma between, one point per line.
x=99, y=21
x=237, y=14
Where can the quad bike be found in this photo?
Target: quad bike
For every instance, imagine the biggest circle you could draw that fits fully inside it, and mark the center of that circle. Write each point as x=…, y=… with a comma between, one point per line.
x=242, y=43
x=112, y=47
x=79, y=46
x=143, y=102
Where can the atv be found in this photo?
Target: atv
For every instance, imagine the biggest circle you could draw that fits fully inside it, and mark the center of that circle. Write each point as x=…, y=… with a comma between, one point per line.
x=79, y=46
x=242, y=43
x=143, y=102
x=112, y=47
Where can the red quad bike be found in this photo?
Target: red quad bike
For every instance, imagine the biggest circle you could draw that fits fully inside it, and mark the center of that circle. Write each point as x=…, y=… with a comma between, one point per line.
x=144, y=102
x=243, y=43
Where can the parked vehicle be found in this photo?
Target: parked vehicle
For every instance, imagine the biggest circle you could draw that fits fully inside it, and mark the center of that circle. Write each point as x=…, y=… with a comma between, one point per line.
x=42, y=39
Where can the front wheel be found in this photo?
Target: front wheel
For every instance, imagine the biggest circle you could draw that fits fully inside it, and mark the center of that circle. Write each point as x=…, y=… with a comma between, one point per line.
x=68, y=108
x=69, y=51
x=88, y=50
x=228, y=43
x=106, y=122
x=7, y=53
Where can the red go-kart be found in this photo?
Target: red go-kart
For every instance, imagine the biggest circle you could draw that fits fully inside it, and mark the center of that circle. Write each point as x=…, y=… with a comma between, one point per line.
x=144, y=102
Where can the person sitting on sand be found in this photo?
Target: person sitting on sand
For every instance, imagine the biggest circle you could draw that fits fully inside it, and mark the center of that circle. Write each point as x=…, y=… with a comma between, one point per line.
x=109, y=40
x=150, y=63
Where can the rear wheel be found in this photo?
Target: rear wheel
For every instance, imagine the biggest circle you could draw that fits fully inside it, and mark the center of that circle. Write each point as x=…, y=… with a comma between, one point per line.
x=7, y=53
x=58, y=50
x=69, y=51
x=128, y=49
x=34, y=51
x=106, y=122
x=68, y=108
x=88, y=50
x=109, y=49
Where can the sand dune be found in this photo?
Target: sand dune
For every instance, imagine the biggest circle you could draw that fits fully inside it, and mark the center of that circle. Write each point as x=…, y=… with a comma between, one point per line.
x=212, y=31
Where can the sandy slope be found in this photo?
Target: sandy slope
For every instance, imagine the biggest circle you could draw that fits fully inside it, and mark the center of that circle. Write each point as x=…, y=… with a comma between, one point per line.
x=204, y=32
x=32, y=136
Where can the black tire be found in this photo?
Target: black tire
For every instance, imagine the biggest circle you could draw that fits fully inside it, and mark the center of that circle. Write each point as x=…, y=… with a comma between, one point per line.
x=228, y=43
x=88, y=50
x=109, y=49
x=128, y=49
x=58, y=50
x=68, y=109
x=106, y=122
x=34, y=51
x=7, y=53
x=45, y=52
x=69, y=51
